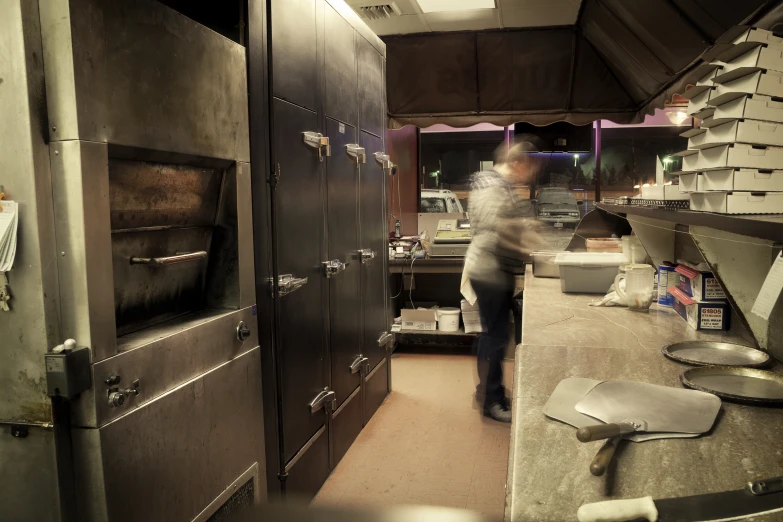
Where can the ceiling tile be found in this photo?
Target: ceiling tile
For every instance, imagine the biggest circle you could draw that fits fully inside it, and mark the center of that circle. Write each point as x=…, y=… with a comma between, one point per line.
x=539, y=4
x=471, y=20
x=398, y=25
x=538, y=13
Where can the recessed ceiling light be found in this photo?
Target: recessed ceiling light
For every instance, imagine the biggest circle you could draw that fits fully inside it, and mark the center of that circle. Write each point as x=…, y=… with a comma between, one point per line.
x=434, y=6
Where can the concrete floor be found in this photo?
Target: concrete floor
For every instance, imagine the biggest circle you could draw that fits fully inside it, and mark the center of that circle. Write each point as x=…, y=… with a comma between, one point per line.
x=427, y=445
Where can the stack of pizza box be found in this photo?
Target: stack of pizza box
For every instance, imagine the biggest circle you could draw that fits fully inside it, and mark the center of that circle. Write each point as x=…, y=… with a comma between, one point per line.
x=734, y=161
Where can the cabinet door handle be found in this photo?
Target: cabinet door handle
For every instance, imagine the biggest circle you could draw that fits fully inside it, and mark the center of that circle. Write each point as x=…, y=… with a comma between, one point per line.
x=156, y=262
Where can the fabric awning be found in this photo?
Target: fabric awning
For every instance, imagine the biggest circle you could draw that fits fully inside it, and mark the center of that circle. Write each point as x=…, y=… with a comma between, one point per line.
x=620, y=61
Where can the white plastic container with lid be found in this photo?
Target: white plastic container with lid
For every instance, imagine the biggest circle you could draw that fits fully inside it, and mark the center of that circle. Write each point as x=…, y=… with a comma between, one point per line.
x=448, y=319
x=588, y=272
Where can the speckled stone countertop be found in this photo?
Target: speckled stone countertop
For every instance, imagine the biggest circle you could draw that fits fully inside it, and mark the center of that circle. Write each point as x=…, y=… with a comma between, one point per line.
x=548, y=475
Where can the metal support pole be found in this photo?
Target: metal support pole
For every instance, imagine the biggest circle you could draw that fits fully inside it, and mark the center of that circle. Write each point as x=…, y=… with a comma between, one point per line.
x=507, y=137
x=597, y=161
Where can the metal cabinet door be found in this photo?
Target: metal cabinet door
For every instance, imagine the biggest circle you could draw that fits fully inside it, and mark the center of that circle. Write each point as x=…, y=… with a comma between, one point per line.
x=340, y=82
x=374, y=237
x=294, y=37
x=299, y=230
x=372, y=90
x=342, y=182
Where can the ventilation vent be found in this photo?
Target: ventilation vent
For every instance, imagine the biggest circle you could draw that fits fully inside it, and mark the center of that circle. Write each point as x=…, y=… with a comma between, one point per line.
x=242, y=499
x=379, y=11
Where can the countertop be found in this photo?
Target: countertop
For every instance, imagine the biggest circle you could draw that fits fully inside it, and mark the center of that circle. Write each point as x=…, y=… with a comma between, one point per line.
x=548, y=476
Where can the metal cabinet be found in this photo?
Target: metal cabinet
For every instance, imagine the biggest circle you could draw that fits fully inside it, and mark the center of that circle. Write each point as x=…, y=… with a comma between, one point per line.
x=373, y=239
x=148, y=222
x=294, y=48
x=299, y=221
x=372, y=92
x=327, y=234
x=340, y=80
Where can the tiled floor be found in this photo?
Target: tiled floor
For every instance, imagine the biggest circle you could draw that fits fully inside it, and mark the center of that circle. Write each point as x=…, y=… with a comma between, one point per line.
x=427, y=444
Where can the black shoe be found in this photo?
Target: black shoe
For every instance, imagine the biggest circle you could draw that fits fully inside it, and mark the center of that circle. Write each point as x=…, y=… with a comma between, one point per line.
x=498, y=412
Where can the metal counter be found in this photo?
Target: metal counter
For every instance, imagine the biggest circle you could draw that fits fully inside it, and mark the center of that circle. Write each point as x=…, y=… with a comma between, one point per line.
x=548, y=476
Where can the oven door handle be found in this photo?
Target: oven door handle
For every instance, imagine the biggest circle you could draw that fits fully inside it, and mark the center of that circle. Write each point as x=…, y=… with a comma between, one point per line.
x=156, y=262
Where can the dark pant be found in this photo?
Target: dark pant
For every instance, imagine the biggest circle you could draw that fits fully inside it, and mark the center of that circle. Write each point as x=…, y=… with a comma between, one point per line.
x=494, y=301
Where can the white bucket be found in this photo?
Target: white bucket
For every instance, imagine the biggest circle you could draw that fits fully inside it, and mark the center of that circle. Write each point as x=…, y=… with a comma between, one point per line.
x=448, y=319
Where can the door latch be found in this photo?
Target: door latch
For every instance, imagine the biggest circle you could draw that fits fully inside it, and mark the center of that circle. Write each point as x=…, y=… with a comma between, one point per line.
x=383, y=159
x=287, y=283
x=333, y=267
x=318, y=141
x=360, y=365
x=325, y=399
x=385, y=338
x=243, y=332
x=366, y=254
x=356, y=152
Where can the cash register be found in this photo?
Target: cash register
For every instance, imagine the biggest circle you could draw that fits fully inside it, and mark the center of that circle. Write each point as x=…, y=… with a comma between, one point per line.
x=452, y=238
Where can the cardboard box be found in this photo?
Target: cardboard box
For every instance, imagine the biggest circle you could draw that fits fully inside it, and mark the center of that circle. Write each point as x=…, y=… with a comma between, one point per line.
x=663, y=192
x=760, y=36
x=737, y=155
x=746, y=80
x=419, y=319
x=738, y=202
x=689, y=182
x=701, y=285
x=752, y=54
x=750, y=180
x=752, y=107
x=747, y=131
x=700, y=101
x=712, y=315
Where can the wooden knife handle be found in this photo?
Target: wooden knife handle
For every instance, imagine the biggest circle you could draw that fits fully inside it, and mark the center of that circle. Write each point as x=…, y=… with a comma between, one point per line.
x=603, y=431
x=604, y=456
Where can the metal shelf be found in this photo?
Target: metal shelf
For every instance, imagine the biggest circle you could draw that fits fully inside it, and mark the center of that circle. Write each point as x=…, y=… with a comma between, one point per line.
x=768, y=227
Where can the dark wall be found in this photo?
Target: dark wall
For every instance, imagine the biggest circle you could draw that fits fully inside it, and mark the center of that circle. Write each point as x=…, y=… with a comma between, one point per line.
x=403, y=189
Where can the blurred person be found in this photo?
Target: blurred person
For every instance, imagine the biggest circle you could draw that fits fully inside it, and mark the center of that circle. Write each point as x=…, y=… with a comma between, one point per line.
x=501, y=236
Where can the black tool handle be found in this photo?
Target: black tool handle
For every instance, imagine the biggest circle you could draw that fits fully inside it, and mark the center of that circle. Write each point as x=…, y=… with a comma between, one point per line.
x=604, y=456
x=603, y=431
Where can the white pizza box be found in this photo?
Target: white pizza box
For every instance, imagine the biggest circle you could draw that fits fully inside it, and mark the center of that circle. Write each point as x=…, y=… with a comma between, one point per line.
x=753, y=35
x=700, y=100
x=738, y=202
x=751, y=107
x=690, y=183
x=663, y=192
x=752, y=54
x=745, y=80
x=705, y=72
x=742, y=131
x=752, y=180
x=736, y=155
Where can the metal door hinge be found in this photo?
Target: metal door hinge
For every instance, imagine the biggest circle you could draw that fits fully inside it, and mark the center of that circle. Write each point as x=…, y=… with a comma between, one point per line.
x=318, y=141
x=366, y=254
x=360, y=365
x=326, y=400
x=356, y=152
x=287, y=283
x=274, y=178
x=333, y=267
